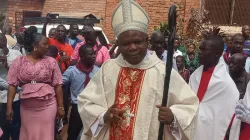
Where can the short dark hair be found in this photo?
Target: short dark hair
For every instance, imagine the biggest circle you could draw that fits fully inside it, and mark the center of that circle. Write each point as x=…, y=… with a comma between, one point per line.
x=52, y=30
x=180, y=56
x=61, y=26
x=33, y=29
x=31, y=38
x=73, y=24
x=216, y=41
x=238, y=34
x=84, y=48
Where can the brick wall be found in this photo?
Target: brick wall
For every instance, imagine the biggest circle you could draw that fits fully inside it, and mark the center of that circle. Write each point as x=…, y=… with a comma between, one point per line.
x=20, y=6
x=96, y=7
x=3, y=6
x=157, y=9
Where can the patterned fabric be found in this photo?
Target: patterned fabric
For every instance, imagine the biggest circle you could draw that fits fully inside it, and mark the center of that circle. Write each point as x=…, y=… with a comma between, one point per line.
x=191, y=65
x=37, y=80
x=100, y=95
x=127, y=97
x=129, y=15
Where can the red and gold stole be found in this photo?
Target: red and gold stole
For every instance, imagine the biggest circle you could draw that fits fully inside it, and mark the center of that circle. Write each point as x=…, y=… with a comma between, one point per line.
x=128, y=90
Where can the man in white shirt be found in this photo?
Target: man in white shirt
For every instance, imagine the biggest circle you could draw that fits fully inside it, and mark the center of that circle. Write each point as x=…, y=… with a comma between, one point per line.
x=157, y=41
x=6, y=58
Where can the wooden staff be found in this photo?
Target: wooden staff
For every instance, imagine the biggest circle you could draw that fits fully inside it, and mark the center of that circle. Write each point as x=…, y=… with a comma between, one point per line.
x=171, y=37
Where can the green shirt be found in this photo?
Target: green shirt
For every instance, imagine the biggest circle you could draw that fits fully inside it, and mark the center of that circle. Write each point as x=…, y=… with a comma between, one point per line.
x=191, y=65
x=182, y=49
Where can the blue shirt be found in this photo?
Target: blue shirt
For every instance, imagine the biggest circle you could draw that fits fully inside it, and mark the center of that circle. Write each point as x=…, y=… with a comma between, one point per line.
x=225, y=47
x=75, y=78
x=247, y=48
x=72, y=42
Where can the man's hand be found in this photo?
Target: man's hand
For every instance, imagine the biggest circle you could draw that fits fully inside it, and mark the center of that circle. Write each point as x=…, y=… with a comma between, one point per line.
x=48, y=19
x=9, y=114
x=60, y=113
x=64, y=58
x=165, y=115
x=113, y=115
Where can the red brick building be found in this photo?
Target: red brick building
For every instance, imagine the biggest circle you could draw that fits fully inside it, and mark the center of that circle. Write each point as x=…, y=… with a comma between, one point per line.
x=157, y=10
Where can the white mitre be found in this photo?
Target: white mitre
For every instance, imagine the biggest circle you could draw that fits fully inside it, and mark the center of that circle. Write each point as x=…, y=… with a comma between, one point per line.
x=129, y=15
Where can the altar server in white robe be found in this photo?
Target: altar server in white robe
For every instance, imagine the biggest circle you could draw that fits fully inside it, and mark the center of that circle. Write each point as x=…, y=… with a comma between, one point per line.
x=122, y=101
x=241, y=123
x=216, y=91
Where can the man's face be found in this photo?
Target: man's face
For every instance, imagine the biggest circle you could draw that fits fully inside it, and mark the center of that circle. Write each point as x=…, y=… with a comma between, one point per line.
x=237, y=45
x=180, y=62
x=158, y=43
x=61, y=33
x=206, y=51
x=235, y=66
x=176, y=43
x=246, y=31
x=89, y=57
x=89, y=34
x=190, y=49
x=133, y=46
x=74, y=31
x=52, y=33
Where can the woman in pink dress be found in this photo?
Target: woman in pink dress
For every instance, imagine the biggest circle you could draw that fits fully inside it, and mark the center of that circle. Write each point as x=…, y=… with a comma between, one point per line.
x=41, y=98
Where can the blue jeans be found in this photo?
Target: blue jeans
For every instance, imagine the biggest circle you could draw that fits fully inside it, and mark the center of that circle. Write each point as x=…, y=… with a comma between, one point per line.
x=10, y=129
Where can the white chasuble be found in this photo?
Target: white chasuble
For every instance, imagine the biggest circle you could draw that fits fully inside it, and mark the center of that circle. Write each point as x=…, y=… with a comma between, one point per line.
x=138, y=89
x=218, y=105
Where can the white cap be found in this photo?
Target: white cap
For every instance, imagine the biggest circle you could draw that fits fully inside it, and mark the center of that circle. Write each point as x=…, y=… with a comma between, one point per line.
x=129, y=15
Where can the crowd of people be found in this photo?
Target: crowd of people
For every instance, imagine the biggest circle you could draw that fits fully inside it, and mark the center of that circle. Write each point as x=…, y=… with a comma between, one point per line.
x=115, y=93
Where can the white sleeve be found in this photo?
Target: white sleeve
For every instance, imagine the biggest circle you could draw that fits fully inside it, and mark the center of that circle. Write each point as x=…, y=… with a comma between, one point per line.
x=98, y=125
x=175, y=130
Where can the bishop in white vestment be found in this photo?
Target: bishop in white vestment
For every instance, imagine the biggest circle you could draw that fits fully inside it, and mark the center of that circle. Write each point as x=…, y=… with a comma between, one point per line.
x=133, y=84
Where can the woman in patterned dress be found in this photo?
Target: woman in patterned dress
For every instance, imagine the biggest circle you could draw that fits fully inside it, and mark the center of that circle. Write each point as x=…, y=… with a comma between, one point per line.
x=41, y=98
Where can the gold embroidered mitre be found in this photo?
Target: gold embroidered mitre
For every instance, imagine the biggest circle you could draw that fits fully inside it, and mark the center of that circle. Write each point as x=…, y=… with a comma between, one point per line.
x=129, y=15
